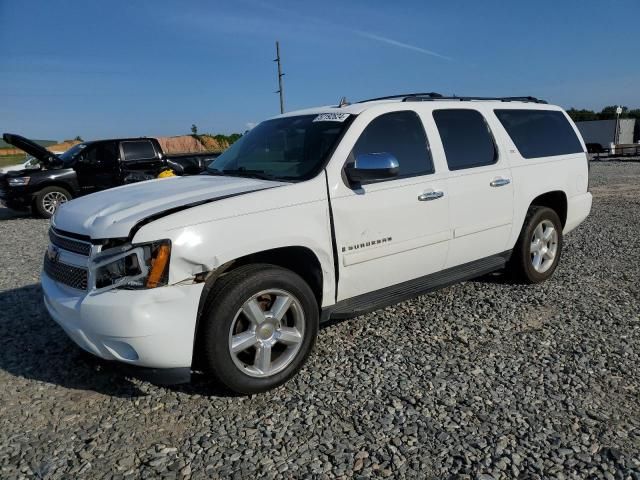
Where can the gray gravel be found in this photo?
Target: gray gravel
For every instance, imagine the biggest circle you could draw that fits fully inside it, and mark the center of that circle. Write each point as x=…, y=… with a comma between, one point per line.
x=481, y=380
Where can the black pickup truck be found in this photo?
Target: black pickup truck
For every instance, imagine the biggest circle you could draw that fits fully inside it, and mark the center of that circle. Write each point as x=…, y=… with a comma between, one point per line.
x=88, y=167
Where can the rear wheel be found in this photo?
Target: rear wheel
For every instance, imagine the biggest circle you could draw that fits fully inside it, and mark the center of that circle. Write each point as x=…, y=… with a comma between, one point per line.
x=258, y=328
x=539, y=246
x=49, y=199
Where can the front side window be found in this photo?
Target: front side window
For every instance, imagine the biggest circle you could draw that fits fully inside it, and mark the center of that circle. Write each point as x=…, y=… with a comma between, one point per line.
x=288, y=148
x=138, y=150
x=104, y=154
x=402, y=135
x=539, y=133
x=466, y=138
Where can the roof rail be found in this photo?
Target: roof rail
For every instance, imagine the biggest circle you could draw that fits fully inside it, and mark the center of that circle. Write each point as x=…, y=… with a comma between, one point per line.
x=432, y=96
x=404, y=96
x=468, y=99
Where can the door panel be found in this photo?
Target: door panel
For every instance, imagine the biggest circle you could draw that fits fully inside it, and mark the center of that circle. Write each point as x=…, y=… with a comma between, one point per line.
x=97, y=167
x=481, y=215
x=385, y=235
x=480, y=187
x=396, y=229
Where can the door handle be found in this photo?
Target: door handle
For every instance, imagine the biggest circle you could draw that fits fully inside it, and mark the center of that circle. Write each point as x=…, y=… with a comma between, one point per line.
x=500, y=182
x=427, y=196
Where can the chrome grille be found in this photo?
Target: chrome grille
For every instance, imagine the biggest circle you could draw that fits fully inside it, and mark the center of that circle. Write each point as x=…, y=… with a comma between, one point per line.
x=75, y=246
x=74, y=277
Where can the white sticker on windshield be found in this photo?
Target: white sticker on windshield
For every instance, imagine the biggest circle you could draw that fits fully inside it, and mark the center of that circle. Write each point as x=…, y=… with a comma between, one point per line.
x=331, y=117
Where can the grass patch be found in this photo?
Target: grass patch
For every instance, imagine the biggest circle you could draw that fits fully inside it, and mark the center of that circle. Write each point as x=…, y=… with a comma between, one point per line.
x=11, y=159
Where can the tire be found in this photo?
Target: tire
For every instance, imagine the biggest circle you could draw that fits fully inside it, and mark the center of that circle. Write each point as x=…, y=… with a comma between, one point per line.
x=534, y=264
x=48, y=199
x=258, y=290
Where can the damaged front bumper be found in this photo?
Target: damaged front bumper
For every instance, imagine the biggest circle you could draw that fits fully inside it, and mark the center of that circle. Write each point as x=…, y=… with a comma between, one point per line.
x=148, y=328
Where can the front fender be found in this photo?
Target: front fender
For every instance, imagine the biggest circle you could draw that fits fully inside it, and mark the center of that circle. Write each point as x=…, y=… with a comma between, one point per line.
x=204, y=246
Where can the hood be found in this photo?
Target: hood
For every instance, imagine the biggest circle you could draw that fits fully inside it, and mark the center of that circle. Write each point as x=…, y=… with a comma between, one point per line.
x=113, y=213
x=18, y=168
x=42, y=154
x=20, y=171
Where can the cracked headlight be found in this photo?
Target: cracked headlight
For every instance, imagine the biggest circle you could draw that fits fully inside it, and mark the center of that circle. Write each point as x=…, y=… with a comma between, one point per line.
x=132, y=266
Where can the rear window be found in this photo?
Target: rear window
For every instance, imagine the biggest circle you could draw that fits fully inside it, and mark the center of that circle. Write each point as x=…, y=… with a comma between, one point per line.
x=138, y=150
x=466, y=138
x=540, y=133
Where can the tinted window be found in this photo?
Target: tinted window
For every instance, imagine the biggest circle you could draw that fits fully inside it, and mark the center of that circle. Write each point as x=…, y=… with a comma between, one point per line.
x=142, y=150
x=466, y=138
x=104, y=154
x=401, y=134
x=539, y=133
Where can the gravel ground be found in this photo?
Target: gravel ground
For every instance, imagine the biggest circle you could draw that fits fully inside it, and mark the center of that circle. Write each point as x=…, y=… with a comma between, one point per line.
x=484, y=379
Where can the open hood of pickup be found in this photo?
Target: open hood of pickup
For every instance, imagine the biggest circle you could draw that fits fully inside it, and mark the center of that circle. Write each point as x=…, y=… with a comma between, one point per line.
x=114, y=213
x=39, y=152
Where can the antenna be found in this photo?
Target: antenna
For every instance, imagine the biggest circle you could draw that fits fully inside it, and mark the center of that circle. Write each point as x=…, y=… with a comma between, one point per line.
x=280, y=75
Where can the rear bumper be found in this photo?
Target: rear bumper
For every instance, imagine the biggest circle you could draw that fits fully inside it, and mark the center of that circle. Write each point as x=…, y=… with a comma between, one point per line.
x=578, y=210
x=147, y=328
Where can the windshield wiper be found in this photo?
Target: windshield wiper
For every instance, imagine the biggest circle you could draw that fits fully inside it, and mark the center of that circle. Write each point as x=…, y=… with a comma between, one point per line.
x=242, y=172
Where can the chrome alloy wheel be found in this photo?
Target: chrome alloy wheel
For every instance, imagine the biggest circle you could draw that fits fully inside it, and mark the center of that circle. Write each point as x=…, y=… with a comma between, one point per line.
x=52, y=200
x=544, y=246
x=266, y=333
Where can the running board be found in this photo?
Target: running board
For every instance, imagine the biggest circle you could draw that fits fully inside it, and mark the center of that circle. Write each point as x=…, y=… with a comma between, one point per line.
x=384, y=297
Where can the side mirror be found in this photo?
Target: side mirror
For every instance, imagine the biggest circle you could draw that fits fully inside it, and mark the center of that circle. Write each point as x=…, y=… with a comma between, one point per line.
x=373, y=166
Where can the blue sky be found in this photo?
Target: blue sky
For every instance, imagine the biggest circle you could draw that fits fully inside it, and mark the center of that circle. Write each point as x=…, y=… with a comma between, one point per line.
x=128, y=68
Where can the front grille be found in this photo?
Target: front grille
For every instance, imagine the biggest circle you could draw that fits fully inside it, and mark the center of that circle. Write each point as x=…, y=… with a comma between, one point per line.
x=76, y=246
x=74, y=277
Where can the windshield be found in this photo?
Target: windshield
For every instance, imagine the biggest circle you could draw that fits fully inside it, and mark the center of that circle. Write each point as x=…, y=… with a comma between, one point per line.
x=69, y=156
x=289, y=148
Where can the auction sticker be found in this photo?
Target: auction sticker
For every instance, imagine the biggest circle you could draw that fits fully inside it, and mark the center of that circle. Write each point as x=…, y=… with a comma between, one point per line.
x=331, y=117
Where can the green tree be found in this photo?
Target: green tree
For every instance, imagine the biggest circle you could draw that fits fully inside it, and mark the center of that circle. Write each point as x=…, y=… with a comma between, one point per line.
x=582, y=115
x=635, y=113
x=78, y=139
x=609, y=113
x=234, y=137
x=194, y=130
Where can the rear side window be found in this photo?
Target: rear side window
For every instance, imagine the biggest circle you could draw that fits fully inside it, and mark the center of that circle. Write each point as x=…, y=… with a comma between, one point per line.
x=138, y=150
x=539, y=133
x=466, y=138
x=402, y=135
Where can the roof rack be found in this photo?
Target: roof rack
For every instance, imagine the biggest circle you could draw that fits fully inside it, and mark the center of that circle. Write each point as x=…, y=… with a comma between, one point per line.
x=404, y=96
x=431, y=96
x=468, y=99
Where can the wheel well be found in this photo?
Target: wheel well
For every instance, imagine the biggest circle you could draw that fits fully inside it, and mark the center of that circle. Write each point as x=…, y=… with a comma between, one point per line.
x=54, y=184
x=556, y=200
x=300, y=260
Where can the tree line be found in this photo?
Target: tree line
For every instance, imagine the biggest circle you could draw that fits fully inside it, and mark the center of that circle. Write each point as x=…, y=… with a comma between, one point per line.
x=607, y=113
x=229, y=139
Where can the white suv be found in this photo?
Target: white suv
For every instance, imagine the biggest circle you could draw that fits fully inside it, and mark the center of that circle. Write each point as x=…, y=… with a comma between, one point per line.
x=314, y=215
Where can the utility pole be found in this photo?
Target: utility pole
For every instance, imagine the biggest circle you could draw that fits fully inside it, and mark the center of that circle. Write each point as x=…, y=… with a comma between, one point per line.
x=617, y=132
x=280, y=75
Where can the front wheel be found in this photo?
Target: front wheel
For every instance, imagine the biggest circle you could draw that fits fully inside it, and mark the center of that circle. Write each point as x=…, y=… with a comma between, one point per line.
x=49, y=199
x=537, y=253
x=258, y=328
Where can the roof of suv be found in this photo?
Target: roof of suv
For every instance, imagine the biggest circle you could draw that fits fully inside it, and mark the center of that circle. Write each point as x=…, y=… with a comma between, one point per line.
x=360, y=106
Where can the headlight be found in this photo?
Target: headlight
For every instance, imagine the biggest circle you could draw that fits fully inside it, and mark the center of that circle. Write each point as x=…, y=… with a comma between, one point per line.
x=132, y=266
x=18, y=181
